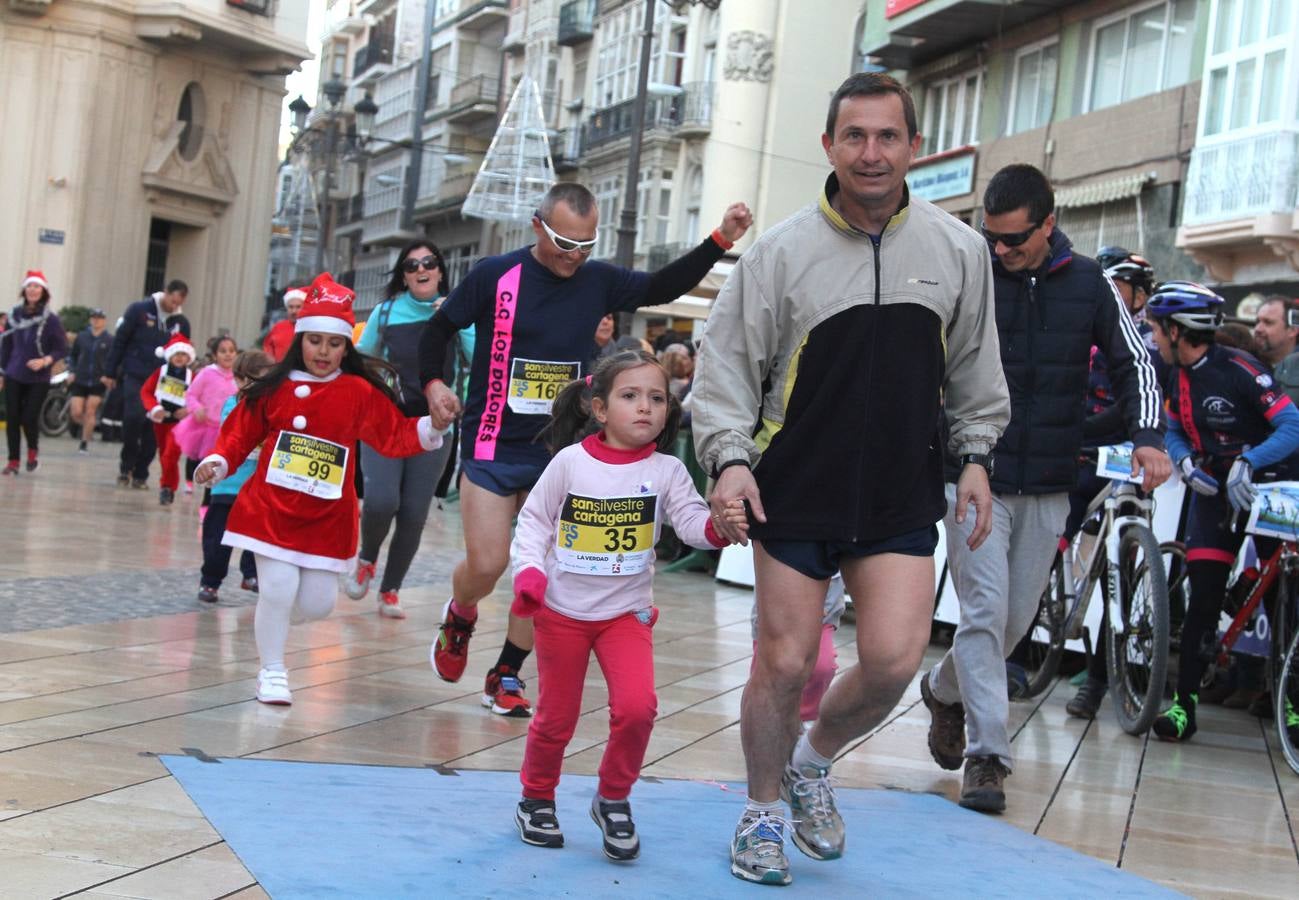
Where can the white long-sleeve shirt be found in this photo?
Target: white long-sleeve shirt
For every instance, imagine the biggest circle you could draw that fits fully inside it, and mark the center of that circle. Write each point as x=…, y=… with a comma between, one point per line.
x=592, y=521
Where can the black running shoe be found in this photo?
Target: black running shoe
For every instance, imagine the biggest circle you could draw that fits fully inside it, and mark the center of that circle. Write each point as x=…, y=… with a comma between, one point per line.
x=537, y=823
x=614, y=818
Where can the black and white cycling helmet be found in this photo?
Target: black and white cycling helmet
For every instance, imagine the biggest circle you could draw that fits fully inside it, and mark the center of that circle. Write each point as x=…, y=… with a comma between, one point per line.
x=1190, y=305
x=1111, y=254
x=1135, y=270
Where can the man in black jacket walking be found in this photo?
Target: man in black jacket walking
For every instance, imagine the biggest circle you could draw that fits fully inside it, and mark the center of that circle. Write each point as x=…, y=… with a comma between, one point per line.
x=1052, y=307
x=146, y=326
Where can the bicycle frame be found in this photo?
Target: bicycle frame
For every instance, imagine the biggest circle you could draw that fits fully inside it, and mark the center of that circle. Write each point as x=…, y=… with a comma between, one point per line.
x=1119, y=506
x=1285, y=555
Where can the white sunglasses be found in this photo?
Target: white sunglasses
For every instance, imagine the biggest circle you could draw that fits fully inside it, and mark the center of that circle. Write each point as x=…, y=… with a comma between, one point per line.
x=567, y=245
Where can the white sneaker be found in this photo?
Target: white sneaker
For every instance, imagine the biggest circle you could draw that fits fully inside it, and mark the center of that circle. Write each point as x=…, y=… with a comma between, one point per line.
x=273, y=687
x=356, y=584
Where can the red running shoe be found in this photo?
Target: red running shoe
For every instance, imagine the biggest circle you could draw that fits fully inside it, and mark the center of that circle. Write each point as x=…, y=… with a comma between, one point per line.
x=450, y=652
x=503, y=693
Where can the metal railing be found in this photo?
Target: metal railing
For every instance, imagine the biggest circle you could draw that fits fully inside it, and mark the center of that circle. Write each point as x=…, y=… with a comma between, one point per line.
x=695, y=105
x=659, y=255
x=372, y=54
x=616, y=121
x=1251, y=176
x=474, y=90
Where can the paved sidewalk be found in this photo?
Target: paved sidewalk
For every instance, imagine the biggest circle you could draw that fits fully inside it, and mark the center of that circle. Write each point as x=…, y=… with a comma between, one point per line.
x=88, y=809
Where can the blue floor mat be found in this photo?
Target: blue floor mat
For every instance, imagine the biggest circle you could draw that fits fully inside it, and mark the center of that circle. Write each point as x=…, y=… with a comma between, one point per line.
x=322, y=830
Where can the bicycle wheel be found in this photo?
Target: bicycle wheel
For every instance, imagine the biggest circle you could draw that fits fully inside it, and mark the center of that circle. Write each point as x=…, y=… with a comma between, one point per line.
x=1285, y=688
x=1136, y=655
x=54, y=419
x=1046, y=642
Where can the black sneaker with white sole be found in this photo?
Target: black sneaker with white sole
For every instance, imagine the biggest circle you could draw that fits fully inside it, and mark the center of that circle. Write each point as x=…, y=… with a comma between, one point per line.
x=538, y=824
x=614, y=818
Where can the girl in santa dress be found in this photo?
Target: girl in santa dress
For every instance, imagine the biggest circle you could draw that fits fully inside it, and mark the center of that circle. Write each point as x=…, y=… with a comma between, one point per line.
x=298, y=512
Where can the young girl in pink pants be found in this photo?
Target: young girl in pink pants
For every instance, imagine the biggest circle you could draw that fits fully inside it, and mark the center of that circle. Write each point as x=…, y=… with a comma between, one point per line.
x=583, y=565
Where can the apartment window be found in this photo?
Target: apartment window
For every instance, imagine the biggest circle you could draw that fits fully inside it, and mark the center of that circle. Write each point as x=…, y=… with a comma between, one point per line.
x=618, y=57
x=653, y=209
x=1248, y=62
x=951, y=114
x=607, y=193
x=1032, y=92
x=446, y=8
x=1140, y=52
x=1092, y=227
x=459, y=260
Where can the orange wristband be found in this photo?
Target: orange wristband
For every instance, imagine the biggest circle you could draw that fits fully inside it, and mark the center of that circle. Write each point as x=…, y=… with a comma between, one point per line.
x=720, y=239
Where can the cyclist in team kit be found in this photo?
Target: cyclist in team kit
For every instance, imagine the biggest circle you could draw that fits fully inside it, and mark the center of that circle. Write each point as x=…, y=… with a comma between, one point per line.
x=1226, y=421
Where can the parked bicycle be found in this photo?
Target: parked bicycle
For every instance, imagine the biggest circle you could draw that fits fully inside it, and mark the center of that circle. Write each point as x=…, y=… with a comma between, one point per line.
x=1115, y=549
x=55, y=418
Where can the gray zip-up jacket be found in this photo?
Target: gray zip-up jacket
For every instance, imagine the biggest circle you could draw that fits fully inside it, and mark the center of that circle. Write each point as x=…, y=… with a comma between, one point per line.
x=826, y=360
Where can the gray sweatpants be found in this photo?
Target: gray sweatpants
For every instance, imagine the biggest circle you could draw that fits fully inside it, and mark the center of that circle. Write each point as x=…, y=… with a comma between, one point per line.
x=400, y=490
x=998, y=587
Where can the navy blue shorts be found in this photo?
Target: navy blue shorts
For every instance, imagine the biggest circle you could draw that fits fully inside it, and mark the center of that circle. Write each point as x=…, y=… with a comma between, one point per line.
x=505, y=479
x=820, y=559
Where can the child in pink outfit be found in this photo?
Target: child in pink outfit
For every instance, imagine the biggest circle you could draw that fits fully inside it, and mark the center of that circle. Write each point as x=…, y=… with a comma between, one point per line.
x=584, y=564
x=196, y=434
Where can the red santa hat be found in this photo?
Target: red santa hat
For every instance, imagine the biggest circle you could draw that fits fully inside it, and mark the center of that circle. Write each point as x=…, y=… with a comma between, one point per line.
x=178, y=344
x=294, y=293
x=328, y=309
x=35, y=276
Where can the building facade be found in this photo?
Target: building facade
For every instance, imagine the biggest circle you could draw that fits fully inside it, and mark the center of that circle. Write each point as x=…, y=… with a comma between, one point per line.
x=143, y=145
x=1102, y=95
x=737, y=105
x=1240, y=217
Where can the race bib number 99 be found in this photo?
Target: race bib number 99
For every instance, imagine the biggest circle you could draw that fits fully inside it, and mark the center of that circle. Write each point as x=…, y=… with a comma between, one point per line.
x=535, y=383
x=308, y=465
x=606, y=535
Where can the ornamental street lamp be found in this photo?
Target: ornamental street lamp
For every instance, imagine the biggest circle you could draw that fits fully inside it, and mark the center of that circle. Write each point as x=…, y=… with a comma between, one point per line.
x=364, y=111
x=626, y=251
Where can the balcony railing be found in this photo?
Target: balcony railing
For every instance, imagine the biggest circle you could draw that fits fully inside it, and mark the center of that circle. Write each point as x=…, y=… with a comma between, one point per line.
x=576, y=22
x=616, y=121
x=696, y=107
x=1252, y=176
x=660, y=255
x=372, y=54
x=475, y=90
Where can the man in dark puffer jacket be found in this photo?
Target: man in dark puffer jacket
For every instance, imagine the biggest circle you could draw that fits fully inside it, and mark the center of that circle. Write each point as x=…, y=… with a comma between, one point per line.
x=1052, y=307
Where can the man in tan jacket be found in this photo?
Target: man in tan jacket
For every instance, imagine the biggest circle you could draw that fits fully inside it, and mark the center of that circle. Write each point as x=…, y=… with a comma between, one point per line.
x=819, y=398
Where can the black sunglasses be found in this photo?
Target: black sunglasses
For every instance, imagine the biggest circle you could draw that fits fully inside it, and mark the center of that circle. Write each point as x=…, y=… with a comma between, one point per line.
x=1010, y=239
x=429, y=262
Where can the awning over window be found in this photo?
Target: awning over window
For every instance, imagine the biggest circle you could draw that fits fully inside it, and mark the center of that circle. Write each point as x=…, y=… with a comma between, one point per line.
x=1102, y=191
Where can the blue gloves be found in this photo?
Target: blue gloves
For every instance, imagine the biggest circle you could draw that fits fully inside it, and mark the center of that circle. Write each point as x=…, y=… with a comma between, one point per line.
x=1240, y=489
x=1197, y=479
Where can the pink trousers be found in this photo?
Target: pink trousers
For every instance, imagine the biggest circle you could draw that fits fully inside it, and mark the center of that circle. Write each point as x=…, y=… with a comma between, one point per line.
x=624, y=648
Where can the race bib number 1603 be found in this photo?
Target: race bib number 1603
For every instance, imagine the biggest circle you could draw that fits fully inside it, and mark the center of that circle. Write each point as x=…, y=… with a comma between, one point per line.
x=606, y=535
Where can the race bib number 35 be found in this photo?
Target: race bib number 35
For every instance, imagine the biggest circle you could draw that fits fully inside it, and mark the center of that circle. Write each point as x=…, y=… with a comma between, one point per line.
x=606, y=535
x=535, y=383
x=308, y=464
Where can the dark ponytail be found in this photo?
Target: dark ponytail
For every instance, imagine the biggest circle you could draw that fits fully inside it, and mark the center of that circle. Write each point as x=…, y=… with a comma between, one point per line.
x=570, y=415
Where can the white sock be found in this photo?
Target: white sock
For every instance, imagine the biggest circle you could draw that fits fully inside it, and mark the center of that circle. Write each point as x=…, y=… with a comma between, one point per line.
x=806, y=757
x=757, y=807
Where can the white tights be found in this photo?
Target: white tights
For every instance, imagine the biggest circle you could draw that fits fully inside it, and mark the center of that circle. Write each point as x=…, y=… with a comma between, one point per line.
x=287, y=595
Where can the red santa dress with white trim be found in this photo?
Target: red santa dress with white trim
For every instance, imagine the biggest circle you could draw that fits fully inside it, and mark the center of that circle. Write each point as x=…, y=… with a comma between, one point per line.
x=287, y=524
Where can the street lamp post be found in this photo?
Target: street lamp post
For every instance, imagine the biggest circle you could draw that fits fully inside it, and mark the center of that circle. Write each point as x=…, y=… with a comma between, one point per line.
x=626, y=252
x=365, y=110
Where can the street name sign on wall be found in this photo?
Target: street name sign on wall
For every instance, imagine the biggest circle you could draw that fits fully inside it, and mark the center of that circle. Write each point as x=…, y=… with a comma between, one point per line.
x=49, y=236
x=946, y=175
